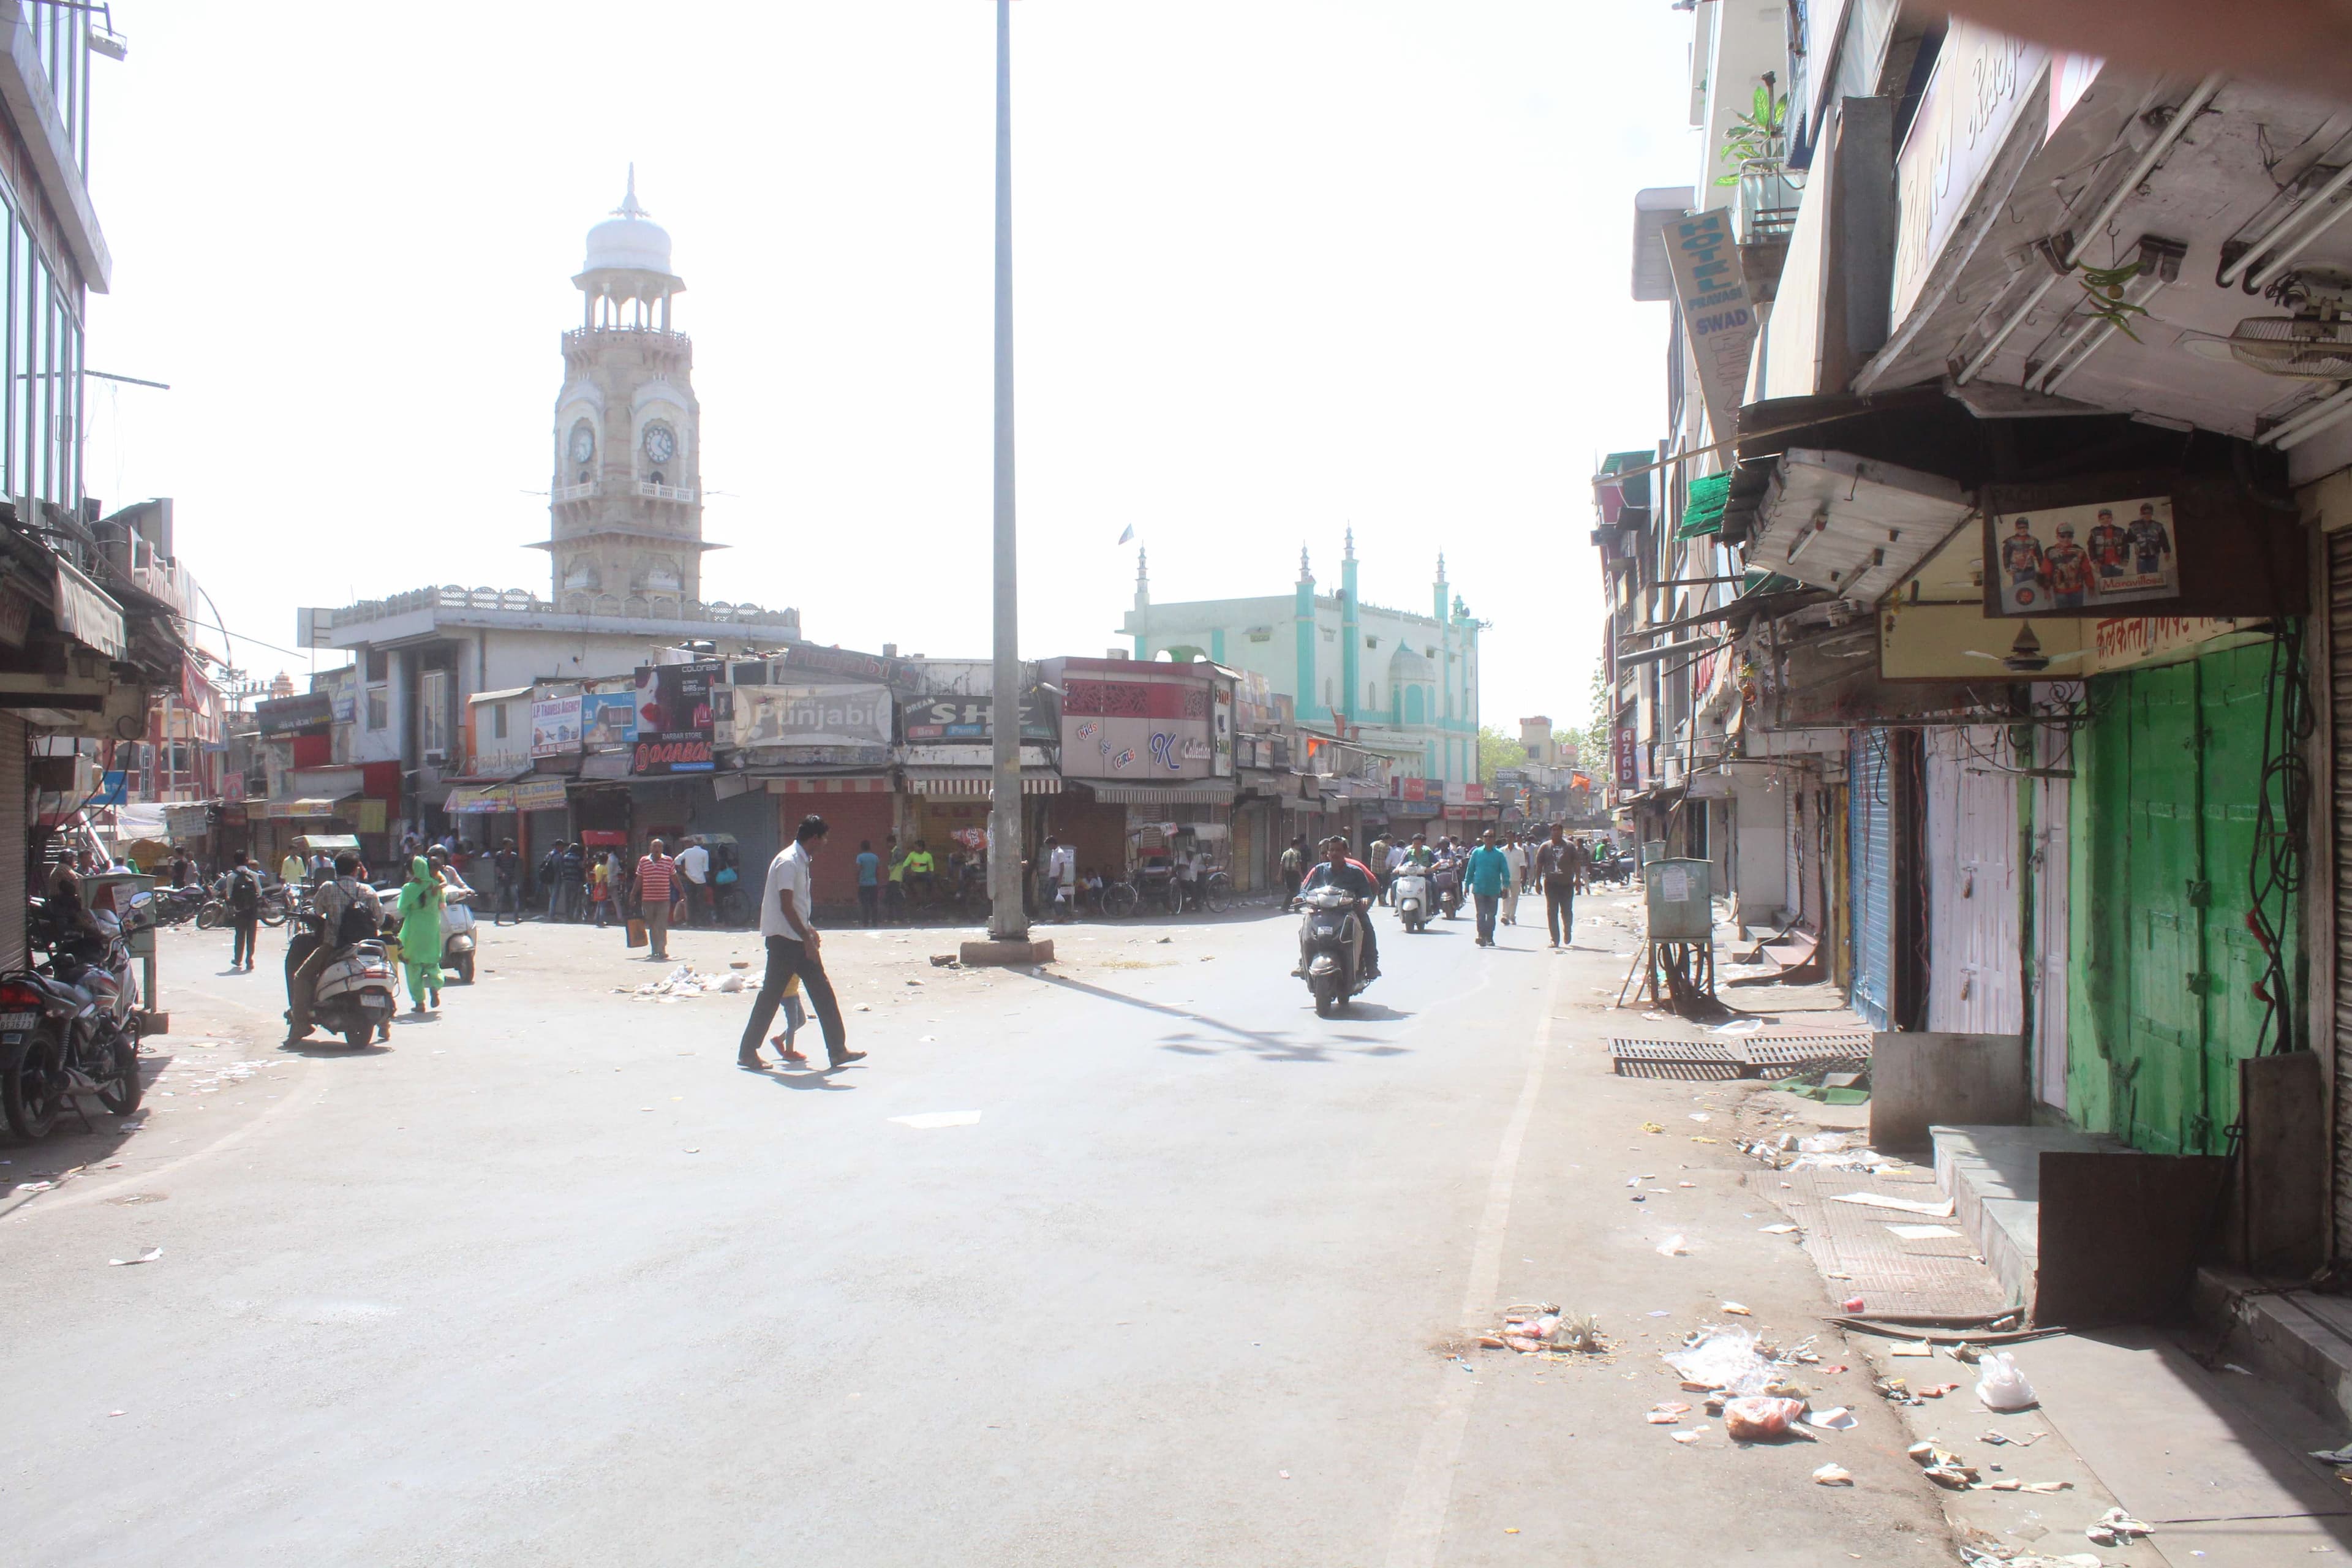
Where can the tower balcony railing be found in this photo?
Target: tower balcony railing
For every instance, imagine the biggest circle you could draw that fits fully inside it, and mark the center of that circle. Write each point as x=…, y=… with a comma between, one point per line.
x=578, y=492
x=646, y=337
x=651, y=491
x=522, y=600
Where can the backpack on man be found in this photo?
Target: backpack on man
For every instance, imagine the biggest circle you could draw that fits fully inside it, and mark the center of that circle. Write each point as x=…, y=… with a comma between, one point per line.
x=243, y=893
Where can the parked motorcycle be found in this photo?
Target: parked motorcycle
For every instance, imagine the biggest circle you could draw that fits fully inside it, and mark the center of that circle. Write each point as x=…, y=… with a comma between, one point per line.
x=70, y=1028
x=1410, y=894
x=1331, y=948
x=174, y=906
x=355, y=994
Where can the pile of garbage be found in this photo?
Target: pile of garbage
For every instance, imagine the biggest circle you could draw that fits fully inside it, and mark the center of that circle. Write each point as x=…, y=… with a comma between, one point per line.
x=1541, y=1327
x=681, y=983
x=1753, y=1387
x=1820, y=1151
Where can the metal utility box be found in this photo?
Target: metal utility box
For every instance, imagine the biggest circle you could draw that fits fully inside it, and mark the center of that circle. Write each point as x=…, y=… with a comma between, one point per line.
x=1679, y=900
x=1652, y=850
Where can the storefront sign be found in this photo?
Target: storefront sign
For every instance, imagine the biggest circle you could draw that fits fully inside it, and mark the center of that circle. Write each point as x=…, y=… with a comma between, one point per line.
x=843, y=663
x=1716, y=311
x=539, y=795
x=342, y=690
x=966, y=719
x=676, y=720
x=2076, y=559
x=1981, y=82
x=1138, y=730
x=801, y=713
x=1628, y=752
x=608, y=718
x=2121, y=643
x=292, y=715
x=555, y=727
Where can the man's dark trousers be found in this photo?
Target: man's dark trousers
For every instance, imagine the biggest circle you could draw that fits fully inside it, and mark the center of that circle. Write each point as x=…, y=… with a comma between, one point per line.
x=1488, y=903
x=242, y=928
x=1560, y=908
x=787, y=958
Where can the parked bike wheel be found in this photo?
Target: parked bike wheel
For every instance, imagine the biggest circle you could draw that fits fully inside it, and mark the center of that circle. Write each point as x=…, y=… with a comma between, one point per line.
x=213, y=916
x=34, y=1093
x=1217, y=893
x=1173, y=895
x=1121, y=900
x=120, y=1094
x=275, y=915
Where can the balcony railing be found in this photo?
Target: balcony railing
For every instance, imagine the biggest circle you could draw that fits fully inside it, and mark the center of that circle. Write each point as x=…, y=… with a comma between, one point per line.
x=578, y=492
x=1768, y=207
x=665, y=492
x=522, y=600
x=645, y=337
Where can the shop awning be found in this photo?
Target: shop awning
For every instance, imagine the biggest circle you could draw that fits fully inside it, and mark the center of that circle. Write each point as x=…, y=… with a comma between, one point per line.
x=467, y=802
x=1703, y=514
x=824, y=784
x=1160, y=795
x=979, y=781
x=85, y=613
x=1852, y=524
x=302, y=806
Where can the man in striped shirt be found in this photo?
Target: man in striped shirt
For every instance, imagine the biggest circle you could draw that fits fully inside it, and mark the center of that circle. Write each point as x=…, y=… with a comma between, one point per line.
x=656, y=887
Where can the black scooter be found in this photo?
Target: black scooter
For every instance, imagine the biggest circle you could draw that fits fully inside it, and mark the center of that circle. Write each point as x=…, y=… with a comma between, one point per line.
x=1331, y=948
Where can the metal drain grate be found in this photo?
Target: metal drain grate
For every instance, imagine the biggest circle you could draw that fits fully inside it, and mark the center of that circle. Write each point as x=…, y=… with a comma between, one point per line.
x=1689, y=1059
x=1798, y=1053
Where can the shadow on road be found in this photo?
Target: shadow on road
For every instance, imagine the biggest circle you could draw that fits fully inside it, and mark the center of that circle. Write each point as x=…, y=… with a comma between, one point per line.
x=1268, y=1046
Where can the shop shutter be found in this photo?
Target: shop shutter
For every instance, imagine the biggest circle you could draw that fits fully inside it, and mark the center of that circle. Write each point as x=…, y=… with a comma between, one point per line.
x=14, y=808
x=1973, y=958
x=848, y=819
x=1870, y=815
x=2053, y=941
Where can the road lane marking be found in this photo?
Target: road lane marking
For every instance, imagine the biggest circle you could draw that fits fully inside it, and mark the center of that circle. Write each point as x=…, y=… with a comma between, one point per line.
x=1419, y=1527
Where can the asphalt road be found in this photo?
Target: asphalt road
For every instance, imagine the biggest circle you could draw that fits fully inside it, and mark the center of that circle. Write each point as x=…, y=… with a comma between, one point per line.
x=548, y=1280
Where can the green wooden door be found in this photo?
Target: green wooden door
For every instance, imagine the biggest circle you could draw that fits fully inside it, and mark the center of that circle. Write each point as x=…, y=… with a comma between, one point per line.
x=2164, y=963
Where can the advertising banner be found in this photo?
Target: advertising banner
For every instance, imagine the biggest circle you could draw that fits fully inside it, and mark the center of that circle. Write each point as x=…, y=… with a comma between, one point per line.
x=555, y=727
x=539, y=795
x=801, y=713
x=608, y=718
x=676, y=722
x=2075, y=560
x=1139, y=729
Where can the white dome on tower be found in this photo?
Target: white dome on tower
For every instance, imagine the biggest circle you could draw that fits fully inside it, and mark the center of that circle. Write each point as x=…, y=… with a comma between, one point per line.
x=628, y=240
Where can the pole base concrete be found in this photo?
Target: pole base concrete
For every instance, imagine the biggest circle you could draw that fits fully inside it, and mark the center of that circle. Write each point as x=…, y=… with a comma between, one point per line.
x=1007, y=954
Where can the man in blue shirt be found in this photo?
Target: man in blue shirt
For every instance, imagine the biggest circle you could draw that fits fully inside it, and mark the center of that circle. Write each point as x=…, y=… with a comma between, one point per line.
x=870, y=884
x=1489, y=872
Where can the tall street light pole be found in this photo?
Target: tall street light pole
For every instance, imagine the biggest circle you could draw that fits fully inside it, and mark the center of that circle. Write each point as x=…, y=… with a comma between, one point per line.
x=1008, y=920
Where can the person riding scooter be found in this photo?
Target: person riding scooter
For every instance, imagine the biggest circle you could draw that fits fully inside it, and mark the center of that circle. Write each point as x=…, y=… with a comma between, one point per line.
x=1336, y=870
x=348, y=912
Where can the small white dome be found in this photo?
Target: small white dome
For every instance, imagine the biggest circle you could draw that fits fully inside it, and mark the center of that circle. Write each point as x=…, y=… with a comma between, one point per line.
x=629, y=240
x=1407, y=665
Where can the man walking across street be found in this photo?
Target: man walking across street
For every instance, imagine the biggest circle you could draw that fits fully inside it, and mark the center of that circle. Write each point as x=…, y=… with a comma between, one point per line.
x=1061, y=880
x=1556, y=864
x=787, y=926
x=1294, y=869
x=244, y=911
x=1489, y=872
x=505, y=868
x=870, y=884
x=694, y=885
x=656, y=887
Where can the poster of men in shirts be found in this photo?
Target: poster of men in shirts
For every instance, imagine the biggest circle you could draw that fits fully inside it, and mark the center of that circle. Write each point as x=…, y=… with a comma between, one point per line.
x=2085, y=559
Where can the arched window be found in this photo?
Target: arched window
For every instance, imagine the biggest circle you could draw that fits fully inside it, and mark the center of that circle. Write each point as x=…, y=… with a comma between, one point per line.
x=1413, y=709
x=1327, y=691
x=1372, y=696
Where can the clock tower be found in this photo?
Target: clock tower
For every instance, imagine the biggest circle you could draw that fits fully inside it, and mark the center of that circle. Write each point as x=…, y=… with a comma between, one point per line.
x=627, y=499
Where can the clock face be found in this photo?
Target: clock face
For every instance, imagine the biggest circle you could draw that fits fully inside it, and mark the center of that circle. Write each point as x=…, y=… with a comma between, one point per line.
x=660, y=444
x=583, y=442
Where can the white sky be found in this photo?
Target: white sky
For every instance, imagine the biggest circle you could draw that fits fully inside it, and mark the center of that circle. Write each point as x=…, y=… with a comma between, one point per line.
x=1281, y=267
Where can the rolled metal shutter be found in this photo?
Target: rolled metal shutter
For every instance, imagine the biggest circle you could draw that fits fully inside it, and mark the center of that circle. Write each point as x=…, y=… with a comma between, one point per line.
x=2339, y=730
x=1870, y=820
x=1792, y=869
x=15, y=805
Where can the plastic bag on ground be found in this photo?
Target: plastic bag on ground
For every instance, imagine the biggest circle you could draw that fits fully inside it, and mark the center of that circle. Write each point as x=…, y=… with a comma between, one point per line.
x=1726, y=1358
x=2003, y=1386
x=1750, y=1420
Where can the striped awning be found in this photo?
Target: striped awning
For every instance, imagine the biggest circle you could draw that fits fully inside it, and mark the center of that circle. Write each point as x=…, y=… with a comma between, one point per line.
x=1216, y=794
x=978, y=781
x=831, y=784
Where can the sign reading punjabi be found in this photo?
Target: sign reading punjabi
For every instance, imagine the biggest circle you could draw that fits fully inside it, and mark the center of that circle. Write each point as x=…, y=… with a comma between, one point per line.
x=2082, y=560
x=676, y=722
x=811, y=714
